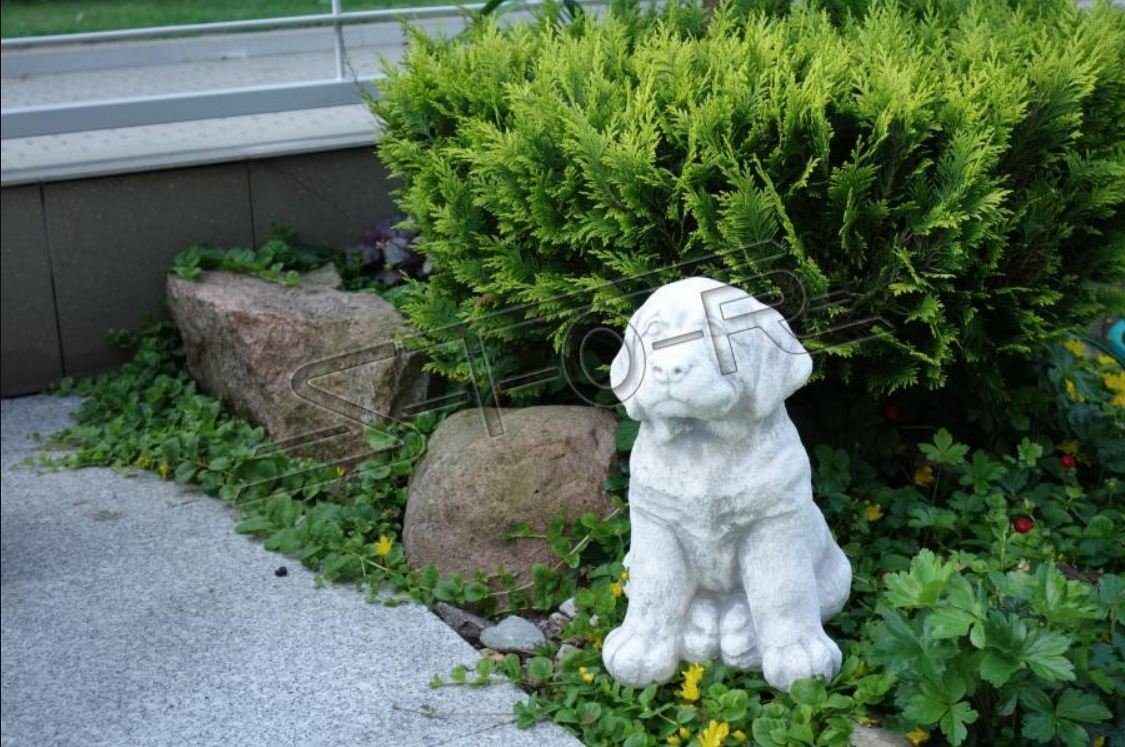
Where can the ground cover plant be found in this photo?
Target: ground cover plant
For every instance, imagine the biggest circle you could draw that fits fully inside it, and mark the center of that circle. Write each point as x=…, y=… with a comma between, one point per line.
x=987, y=594
x=953, y=166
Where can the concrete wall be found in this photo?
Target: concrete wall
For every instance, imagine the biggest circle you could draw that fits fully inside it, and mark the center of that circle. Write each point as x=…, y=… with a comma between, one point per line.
x=85, y=256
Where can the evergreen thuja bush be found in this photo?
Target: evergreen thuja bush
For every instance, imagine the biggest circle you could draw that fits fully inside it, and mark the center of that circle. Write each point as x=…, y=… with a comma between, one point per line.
x=956, y=168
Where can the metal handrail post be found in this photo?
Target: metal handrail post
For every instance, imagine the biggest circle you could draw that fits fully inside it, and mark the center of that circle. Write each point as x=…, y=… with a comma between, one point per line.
x=338, y=29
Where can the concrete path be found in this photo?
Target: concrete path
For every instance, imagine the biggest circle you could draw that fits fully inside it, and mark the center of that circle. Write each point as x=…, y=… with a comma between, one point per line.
x=133, y=614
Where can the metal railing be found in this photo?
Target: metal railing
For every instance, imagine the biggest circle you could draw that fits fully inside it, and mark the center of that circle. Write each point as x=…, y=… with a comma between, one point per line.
x=336, y=17
x=52, y=119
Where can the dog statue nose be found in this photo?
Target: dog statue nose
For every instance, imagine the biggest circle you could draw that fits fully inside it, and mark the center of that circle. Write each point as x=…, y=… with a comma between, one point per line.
x=670, y=374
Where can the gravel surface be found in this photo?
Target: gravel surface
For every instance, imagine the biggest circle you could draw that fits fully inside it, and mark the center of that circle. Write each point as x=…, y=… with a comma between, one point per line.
x=134, y=614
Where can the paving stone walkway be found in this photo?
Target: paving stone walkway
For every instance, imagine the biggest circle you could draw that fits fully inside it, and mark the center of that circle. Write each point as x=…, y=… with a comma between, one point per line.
x=133, y=614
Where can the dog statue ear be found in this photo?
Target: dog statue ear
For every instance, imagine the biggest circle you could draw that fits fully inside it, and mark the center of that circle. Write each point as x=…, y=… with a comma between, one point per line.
x=628, y=369
x=770, y=360
x=776, y=364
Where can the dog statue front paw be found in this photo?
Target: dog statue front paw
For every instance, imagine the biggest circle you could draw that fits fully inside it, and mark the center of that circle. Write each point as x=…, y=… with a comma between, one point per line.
x=815, y=655
x=636, y=658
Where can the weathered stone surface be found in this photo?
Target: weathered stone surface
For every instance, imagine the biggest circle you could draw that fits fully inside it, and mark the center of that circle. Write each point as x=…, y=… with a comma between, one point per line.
x=245, y=338
x=471, y=488
x=325, y=277
x=512, y=634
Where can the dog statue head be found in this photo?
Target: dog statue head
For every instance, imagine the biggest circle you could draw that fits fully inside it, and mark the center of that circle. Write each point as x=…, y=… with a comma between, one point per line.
x=699, y=349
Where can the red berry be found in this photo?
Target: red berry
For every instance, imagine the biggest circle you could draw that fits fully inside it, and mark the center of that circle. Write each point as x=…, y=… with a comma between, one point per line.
x=1067, y=461
x=1023, y=524
x=890, y=413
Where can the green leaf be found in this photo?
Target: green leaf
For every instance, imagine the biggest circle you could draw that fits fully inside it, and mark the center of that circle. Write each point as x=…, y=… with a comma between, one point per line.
x=1075, y=705
x=810, y=692
x=1038, y=726
x=540, y=668
x=1045, y=655
x=184, y=473
x=954, y=721
x=626, y=436
x=922, y=584
x=255, y=525
x=379, y=440
x=588, y=713
x=1029, y=452
x=997, y=667
x=925, y=709
x=944, y=450
x=949, y=622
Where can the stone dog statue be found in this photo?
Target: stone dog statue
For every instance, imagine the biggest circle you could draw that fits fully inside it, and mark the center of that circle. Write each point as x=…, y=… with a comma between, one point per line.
x=729, y=555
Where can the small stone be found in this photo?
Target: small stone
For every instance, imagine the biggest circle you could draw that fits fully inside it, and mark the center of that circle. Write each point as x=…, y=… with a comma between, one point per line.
x=281, y=571
x=513, y=634
x=569, y=608
x=564, y=651
x=868, y=736
x=554, y=624
x=466, y=624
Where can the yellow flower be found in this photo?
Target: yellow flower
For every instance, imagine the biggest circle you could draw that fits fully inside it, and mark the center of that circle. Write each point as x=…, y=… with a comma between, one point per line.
x=918, y=736
x=624, y=575
x=1072, y=392
x=1099, y=741
x=384, y=545
x=164, y=469
x=692, y=676
x=924, y=476
x=586, y=675
x=1075, y=347
x=340, y=470
x=1106, y=360
x=1068, y=447
x=684, y=733
x=873, y=512
x=616, y=589
x=739, y=736
x=1118, y=400
x=1114, y=382
x=714, y=734
x=672, y=740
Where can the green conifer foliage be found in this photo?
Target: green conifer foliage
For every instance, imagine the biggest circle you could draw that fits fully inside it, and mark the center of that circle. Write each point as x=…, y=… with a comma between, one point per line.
x=957, y=168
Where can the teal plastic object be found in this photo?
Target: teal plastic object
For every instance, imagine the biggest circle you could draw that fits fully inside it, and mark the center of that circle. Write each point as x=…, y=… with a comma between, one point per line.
x=1115, y=338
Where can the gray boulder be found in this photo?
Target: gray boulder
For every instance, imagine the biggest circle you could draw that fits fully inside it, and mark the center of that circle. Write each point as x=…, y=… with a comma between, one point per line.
x=472, y=487
x=246, y=339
